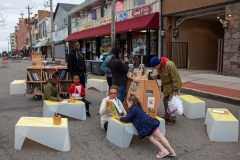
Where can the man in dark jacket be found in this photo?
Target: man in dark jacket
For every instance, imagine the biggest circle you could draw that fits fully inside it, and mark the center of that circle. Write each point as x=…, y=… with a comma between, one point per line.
x=76, y=63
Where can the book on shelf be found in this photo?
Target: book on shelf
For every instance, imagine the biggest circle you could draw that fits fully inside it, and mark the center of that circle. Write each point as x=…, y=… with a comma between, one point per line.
x=34, y=88
x=33, y=76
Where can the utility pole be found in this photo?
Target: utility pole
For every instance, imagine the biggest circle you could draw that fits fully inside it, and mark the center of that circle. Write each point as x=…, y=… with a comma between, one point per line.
x=8, y=44
x=113, y=28
x=30, y=30
x=22, y=30
x=51, y=38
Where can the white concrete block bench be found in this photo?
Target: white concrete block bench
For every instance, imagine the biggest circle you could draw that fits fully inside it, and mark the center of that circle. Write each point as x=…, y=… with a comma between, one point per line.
x=98, y=84
x=18, y=87
x=75, y=110
x=43, y=131
x=120, y=133
x=221, y=127
x=193, y=107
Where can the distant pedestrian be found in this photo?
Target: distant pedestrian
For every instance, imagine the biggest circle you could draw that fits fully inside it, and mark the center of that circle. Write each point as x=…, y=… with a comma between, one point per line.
x=171, y=82
x=146, y=126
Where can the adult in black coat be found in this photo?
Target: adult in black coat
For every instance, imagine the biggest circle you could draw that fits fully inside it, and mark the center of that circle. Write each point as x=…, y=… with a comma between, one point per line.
x=119, y=69
x=76, y=63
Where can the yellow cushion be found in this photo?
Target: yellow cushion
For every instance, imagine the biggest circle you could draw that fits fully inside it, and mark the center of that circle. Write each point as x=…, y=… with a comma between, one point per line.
x=94, y=79
x=48, y=102
x=222, y=117
x=122, y=123
x=40, y=122
x=190, y=99
x=18, y=81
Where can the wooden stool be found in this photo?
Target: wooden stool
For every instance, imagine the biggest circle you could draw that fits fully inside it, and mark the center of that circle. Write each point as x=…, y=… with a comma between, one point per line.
x=193, y=107
x=221, y=127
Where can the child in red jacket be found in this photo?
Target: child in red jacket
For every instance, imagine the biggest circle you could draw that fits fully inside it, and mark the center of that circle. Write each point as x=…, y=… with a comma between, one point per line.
x=74, y=90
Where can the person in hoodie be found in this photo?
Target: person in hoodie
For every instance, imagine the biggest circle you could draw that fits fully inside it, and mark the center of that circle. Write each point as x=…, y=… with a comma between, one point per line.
x=51, y=90
x=171, y=82
x=76, y=63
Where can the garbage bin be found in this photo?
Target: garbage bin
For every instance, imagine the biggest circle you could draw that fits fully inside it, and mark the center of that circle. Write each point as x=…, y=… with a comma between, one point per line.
x=88, y=64
x=96, y=67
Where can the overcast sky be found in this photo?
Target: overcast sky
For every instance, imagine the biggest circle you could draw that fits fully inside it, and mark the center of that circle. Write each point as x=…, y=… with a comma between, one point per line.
x=11, y=9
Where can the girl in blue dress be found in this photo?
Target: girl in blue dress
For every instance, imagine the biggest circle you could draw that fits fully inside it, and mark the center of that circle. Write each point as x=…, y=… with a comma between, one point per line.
x=147, y=126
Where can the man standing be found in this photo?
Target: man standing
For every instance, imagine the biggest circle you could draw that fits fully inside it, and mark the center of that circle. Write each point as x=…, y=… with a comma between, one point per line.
x=76, y=63
x=171, y=82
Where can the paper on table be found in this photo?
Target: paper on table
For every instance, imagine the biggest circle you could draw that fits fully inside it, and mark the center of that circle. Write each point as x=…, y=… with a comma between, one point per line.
x=219, y=111
x=79, y=89
x=64, y=101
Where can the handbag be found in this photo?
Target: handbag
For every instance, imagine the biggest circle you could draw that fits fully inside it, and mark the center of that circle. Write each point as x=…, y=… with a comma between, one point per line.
x=57, y=119
x=175, y=106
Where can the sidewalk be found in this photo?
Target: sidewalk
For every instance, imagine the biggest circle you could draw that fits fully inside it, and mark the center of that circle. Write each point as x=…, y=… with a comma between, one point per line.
x=208, y=84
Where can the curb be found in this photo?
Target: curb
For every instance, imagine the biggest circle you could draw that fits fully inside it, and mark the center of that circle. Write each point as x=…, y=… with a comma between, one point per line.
x=216, y=97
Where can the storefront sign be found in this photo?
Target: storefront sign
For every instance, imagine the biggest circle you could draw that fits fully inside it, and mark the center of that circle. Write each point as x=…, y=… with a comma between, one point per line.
x=123, y=16
x=60, y=35
x=94, y=14
x=142, y=11
x=87, y=26
x=105, y=21
x=119, y=5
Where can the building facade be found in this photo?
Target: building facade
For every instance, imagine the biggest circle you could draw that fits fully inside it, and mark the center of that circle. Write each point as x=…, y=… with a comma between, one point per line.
x=202, y=34
x=21, y=36
x=137, y=25
x=62, y=27
x=12, y=41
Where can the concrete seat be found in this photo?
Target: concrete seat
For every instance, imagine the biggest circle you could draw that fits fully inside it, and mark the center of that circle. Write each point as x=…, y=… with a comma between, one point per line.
x=120, y=133
x=221, y=127
x=98, y=84
x=193, y=107
x=75, y=110
x=18, y=87
x=43, y=131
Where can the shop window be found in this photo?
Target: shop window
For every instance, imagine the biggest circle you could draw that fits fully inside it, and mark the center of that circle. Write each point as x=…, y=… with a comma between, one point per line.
x=105, y=45
x=153, y=42
x=138, y=2
x=104, y=11
x=139, y=41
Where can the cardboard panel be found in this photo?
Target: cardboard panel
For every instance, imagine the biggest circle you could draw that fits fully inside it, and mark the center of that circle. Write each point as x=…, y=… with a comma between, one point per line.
x=36, y=58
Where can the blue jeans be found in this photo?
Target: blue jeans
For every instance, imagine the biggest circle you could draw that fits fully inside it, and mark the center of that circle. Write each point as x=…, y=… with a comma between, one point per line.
x=121, y=93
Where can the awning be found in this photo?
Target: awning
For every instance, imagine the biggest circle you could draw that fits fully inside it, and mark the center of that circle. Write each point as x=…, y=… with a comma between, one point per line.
x=150, y=21
x=43, y=43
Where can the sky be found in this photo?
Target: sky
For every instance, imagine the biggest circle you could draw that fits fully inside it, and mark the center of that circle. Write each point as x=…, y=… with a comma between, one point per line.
x=11, y=9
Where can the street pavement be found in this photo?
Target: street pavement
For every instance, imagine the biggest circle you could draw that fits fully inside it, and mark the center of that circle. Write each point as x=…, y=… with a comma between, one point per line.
x=88, y=141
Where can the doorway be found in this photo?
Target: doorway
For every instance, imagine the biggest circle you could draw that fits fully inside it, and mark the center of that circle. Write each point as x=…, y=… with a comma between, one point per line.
x=89, y=51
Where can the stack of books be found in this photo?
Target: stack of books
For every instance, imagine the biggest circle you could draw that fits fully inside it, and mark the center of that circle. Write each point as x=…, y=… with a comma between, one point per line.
x=33, y=76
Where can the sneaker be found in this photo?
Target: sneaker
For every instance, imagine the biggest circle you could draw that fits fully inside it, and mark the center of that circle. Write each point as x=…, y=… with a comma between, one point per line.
x=88, y=114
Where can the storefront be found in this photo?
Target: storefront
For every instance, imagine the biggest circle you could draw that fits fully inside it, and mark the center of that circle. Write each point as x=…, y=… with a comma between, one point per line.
x=137, y=35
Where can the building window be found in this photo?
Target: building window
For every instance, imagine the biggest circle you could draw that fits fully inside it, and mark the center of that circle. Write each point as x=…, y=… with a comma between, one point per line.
x=44, y=29
x=36, y=25
x=89, y=17
x=153, y=42
x=104, y=11
x=138, y=2
x=75, y=22
x=139, y=39
x=65, y=22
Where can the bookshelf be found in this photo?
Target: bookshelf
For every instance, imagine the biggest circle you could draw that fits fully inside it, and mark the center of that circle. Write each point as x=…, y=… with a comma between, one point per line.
x=38, y=76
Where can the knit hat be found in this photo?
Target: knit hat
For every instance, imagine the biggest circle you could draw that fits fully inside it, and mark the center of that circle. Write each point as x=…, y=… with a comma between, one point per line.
x=154, y=61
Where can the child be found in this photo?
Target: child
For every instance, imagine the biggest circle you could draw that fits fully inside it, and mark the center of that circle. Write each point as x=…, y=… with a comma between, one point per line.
x=146, y=126
x=73, y=90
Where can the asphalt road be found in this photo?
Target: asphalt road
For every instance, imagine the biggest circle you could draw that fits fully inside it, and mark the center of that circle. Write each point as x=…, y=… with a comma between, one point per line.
x=88, y=141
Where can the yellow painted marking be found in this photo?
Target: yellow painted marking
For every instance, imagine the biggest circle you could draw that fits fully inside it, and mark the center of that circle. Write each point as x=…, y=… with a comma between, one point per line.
x=190, y=99
x=222, y=117
x=122, y=123
x=48, y=102
x=94, y=79
x=40, y=122
x=18, y=81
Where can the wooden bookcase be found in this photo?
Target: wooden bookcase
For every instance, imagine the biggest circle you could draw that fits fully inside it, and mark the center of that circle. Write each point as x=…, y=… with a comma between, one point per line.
x=39, y=75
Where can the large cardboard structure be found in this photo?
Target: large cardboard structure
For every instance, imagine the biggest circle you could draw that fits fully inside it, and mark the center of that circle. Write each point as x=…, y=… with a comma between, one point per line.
x=36, y=58
x=147, y=91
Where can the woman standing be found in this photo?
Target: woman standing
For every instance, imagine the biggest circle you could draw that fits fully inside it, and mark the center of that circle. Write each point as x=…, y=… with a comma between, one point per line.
x=119, y=69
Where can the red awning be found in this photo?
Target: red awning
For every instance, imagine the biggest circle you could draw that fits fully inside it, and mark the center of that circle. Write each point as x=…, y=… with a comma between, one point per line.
x=150, y=21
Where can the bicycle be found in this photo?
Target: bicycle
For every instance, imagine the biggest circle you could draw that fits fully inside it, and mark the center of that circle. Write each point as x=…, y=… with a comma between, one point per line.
x=134, y=59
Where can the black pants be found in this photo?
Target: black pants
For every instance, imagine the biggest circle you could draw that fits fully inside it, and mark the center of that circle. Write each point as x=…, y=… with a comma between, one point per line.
x=109, y=81
x=87, y=107
x=105, y=126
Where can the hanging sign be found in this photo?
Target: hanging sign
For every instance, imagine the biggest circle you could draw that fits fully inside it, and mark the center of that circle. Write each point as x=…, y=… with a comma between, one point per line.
x=142, y=11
